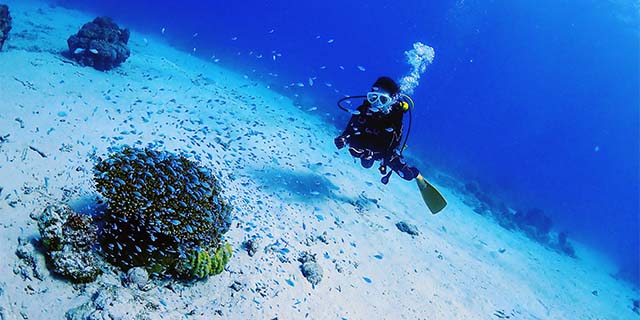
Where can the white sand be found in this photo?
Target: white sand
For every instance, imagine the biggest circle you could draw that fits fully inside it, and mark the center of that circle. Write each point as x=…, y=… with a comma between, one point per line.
x=278, y=185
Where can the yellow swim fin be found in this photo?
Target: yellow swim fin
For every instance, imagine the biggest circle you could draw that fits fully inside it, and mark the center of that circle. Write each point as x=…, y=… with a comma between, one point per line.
x=431, y=196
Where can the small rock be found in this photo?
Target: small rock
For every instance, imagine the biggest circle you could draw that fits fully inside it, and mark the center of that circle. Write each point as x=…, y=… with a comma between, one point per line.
x=251, y=246
x=407, y=228
x=310, y=268
x=236, y=286
x=137, y=277
x=28, y=265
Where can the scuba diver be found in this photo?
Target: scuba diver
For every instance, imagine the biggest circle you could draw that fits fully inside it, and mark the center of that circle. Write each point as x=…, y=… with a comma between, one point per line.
x=375, y=131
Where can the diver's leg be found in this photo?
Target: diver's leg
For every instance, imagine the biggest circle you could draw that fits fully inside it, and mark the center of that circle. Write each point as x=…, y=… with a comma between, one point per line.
x=367, y=159
x=404, y=170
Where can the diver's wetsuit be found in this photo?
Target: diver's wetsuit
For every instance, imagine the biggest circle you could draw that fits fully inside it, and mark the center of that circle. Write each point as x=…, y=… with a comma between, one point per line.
x=376, y=136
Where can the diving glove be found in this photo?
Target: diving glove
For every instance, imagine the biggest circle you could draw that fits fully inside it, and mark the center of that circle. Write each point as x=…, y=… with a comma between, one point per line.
x=340, y=142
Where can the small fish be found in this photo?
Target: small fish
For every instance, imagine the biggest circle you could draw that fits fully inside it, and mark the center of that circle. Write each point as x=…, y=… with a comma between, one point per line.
x=234, y=38
x=311, y=82
x=94, y=51
x=162, y=31
x=361, y=68
x=389, y=129
x=195, y=35
x=272, y=31
x=330, y=41
x=78, y=51
x=300, y=84
x=312, y=109
x=341, y=67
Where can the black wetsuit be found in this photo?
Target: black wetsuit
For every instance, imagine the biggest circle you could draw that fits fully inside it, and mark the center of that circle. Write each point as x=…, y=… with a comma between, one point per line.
x=376, y=136
x=381, y=133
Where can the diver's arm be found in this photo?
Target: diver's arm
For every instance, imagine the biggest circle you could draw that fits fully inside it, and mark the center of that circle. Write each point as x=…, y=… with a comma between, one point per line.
x=353, y=125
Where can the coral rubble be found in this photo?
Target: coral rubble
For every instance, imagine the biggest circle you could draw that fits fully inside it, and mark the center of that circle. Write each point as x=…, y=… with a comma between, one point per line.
x=68, y=238
x=310, y=268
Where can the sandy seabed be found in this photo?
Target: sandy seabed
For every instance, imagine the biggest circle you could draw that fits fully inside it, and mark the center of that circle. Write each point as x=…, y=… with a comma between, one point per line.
x=291, y=190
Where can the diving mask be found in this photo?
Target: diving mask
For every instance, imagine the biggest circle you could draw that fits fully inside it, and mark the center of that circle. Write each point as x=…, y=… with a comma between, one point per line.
x=379, y=101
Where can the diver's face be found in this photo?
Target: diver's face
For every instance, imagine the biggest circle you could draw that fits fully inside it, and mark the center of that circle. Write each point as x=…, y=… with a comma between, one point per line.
x=380, y=100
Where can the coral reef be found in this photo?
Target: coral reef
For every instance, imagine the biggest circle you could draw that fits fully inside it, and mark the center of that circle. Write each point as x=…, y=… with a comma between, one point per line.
x=100, y=44
x=534, y=223
x=164, y=213
x=203, y=263
x=5, y=24
x=68, y=238
x=563, y=245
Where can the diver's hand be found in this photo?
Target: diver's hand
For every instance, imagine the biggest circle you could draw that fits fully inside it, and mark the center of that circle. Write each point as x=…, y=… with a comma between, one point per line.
x=340, y=142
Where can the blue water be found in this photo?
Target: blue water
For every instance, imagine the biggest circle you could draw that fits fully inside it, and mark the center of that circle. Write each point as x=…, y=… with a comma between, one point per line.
x=538, y=101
